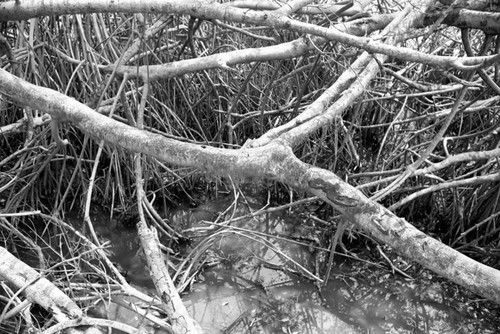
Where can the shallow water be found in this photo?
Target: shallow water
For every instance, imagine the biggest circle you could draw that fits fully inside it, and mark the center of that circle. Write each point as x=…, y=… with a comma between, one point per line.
x=251, y=284
x=227, y=303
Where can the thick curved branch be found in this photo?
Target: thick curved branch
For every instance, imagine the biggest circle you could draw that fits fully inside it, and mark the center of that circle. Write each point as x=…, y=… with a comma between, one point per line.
x=37, y=287
x=317, y=9
x=346, y=89
x=13, y=10
x=396, y=232
x=212, y=160
x=274, y=161
x=226, y=60
x=464, y=18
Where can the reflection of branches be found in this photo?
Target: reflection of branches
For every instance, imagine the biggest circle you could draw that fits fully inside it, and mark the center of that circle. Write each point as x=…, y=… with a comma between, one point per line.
x=390, y=304
x=348, y=309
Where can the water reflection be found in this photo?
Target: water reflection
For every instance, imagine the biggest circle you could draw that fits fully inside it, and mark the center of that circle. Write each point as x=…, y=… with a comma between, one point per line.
x=253, y=284
x=225, y=303
x=260, y=291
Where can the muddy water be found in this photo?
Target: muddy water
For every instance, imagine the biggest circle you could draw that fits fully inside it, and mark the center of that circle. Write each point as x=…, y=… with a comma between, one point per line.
x=253, y=283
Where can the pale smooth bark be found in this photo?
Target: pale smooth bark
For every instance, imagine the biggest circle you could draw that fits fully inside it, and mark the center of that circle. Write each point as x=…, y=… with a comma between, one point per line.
x=274, y=161
x=25, y=9
x=271, y=156
x=37, y=288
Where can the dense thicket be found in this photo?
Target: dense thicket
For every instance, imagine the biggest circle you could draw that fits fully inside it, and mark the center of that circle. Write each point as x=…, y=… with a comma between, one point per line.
x=421, y=138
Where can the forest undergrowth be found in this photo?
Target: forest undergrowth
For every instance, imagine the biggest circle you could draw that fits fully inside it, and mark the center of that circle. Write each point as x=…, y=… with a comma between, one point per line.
x=371, y=144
